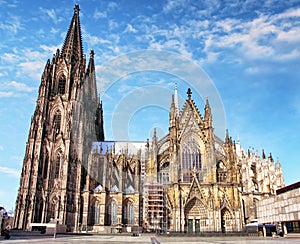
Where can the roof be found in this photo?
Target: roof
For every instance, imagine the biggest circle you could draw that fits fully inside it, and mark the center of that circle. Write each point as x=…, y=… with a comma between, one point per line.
x=288, y=188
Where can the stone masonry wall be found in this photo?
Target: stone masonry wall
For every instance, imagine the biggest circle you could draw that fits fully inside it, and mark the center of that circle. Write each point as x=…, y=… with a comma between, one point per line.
x=280, y=208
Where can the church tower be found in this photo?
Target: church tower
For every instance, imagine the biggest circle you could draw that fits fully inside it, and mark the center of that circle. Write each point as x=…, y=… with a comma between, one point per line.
x=67, y=119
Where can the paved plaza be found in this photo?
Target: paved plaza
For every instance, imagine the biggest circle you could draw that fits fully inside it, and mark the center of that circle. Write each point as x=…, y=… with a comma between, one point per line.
x=152, y=239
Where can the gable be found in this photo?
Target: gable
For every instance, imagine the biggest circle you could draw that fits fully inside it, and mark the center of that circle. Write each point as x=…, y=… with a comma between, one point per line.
x=190, y=120
x=195, y=190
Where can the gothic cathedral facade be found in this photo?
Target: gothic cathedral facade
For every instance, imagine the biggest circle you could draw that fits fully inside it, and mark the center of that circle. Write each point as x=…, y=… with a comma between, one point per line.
x=189, y=181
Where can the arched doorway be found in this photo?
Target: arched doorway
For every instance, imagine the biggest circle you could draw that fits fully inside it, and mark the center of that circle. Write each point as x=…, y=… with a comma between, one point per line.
x=226, y=220
x=196, y=216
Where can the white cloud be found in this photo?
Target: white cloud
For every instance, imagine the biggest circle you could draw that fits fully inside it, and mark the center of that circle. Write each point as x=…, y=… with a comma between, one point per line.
x=94, y=40
x=112, y=5
x=112, y=24
x=49, y=49
x=10, y=172
x=290, y=35
x=52, y=15
x=260, y=38
x=290, y=13
x=6, y=94
x=10, y=57
x=254, y=70
x=130, y=29
x=172, y=4
x=294, y=54
x=54, y=31
x=32, y=68
x=20, y=86
x=12, y=26
x=99, y=14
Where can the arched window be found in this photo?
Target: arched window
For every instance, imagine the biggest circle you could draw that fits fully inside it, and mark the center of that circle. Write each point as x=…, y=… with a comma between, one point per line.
x=57, y=122
x=62, y=85
x=46, y=165
x=164, y=177
x=221, y=172
x=191, y=159
x=58, y=163
x=95, y=213
x=255, y=201
x=255, y=185
x=113, y=212
x=128, y=212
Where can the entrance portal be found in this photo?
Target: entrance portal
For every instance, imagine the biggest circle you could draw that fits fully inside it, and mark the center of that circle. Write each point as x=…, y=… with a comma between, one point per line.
x=190, y=226
x=195, y=211
x=226, y=220
x=197, y=225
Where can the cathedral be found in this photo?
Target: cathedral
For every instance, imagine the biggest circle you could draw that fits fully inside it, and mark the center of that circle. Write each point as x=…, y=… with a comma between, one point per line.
x=188, y=181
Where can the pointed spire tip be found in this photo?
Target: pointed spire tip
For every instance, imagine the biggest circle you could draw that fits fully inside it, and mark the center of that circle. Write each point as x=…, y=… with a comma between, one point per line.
x=76, y=9
x=189, y=93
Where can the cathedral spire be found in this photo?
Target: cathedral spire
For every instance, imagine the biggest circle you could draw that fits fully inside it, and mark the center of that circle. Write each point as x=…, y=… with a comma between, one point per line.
x=227, y=136
x=91, y=65
x=172, y=112
x=176, y=103
x=99, y=122
x=72, y=49
x=263, y=154
x=207, y=114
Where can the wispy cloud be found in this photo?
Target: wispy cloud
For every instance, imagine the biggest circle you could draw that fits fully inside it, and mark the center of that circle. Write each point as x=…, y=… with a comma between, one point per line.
x=10, y=172
x=12, y=25
x=130, y=28
x=172, y=4
x=6, y=94
x=21, y=87
x=51, y=14
x=259, y=38
x=32, y=69
x=14, y=89
x=10, y=57
x=112, y=5
x=50, y=49
x=99, y=14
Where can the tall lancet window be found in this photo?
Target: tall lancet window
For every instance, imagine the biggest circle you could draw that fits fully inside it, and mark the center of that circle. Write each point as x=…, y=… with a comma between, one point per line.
x=62, y=85
x=57, y=122
x=191, y=159
x=95, y=213
x=113, y=212
x=128, y=212
x=58, y=163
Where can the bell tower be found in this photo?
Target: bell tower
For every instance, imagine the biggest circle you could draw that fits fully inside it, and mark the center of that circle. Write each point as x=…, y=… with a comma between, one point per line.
x=67, y=119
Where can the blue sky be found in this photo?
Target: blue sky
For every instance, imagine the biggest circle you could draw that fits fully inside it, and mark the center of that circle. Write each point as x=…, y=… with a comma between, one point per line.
x=248, y=50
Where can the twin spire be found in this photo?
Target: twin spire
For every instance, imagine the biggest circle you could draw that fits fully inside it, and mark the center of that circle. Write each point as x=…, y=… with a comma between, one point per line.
x=72, y=49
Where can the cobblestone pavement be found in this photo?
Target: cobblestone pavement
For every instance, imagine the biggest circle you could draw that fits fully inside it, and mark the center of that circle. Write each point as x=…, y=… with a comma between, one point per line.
x=117, y=239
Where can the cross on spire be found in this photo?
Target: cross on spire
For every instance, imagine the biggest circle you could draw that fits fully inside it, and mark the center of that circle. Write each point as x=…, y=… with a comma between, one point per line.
x=189, y=93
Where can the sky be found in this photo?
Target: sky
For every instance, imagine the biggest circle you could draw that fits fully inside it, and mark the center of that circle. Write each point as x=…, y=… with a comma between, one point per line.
x=243, y=55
